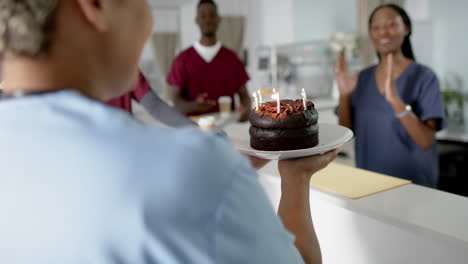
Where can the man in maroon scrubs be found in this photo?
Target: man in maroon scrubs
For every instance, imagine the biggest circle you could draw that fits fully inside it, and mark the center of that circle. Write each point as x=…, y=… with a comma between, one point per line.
x=152, y=103
x=208, y=70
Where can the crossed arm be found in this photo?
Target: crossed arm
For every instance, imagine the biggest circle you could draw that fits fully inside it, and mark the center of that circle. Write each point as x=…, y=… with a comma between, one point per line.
x=202, y=104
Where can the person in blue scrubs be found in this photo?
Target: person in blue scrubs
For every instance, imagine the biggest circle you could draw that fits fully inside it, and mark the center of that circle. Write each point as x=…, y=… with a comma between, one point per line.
x=394, y=107
x=84, y=182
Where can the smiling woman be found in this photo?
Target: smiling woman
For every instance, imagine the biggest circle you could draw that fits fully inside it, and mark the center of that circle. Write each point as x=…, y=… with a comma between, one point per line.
x=394, y=107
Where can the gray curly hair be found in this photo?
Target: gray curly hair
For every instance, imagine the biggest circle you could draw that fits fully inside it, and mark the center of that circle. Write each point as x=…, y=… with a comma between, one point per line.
x=26, y=26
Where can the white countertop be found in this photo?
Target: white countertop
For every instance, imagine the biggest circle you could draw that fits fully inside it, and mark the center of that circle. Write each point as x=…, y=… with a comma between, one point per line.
x=453, y=136
x=457, y=132
x=411, y=206
x=411, y=224
x=419, y=207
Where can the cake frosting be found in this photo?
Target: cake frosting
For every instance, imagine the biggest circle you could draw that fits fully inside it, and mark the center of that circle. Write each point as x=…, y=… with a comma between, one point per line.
x=292, y=128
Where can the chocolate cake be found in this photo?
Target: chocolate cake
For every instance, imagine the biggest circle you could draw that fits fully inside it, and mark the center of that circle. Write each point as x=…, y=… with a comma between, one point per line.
x=292, y=128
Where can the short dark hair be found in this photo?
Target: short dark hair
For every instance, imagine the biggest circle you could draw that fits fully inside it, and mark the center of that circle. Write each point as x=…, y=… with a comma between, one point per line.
x=211, y=2
x=27, y=26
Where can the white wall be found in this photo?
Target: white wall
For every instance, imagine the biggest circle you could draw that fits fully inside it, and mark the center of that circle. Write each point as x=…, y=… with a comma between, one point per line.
x=450, y=40
x=164, y=20
x=278, y=23
x=439, y=40
x=317, y=19
x=189, y=31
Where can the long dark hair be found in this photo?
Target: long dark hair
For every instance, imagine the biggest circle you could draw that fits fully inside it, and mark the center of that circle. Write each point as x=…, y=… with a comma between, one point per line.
x=406, y=48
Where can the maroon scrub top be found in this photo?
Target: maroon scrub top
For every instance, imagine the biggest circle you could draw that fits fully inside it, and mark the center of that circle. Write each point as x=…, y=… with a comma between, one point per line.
x=125, y=101
x=223, y=76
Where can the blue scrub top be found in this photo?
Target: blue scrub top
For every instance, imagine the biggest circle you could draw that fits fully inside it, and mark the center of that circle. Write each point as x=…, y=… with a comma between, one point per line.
x=382, y=144
x=83, y=182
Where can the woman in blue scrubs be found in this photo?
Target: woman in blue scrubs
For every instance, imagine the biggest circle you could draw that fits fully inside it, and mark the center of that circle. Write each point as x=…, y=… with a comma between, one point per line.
x=394, y=107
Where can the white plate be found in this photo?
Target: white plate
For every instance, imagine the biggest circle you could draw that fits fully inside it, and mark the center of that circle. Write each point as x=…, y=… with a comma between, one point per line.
x=330, y=137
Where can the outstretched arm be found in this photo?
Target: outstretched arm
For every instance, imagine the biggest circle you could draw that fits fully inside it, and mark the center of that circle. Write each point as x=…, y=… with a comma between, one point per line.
x=248, y=224
x=294, y=207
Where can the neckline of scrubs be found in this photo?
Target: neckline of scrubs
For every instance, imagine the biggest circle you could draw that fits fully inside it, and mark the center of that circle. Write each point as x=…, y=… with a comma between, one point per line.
x=403, y=74
x=214, y=58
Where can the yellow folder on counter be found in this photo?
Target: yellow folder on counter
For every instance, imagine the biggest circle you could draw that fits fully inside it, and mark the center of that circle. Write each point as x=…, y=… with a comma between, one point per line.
x=353, y=183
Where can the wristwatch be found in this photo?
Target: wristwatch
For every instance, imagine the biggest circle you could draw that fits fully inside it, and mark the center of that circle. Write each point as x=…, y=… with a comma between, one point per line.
x=408, y=110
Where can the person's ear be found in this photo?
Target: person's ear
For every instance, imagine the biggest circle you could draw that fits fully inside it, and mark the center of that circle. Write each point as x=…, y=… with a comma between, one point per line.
x=94, y=13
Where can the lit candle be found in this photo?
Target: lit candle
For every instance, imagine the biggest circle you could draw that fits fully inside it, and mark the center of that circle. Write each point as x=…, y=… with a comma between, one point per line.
x=276, y=97
x=304, y=98
x=256, y=101
x=260, y=97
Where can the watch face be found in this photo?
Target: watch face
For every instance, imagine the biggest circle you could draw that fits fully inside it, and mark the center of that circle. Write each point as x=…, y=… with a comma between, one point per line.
x=408, y=107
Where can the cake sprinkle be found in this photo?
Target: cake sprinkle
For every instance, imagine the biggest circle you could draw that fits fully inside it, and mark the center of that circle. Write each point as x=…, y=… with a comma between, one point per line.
x=286, y=107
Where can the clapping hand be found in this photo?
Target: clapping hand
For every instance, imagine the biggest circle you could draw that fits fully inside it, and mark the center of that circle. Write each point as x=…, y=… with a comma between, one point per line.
x=346, y=82
x=391, y=93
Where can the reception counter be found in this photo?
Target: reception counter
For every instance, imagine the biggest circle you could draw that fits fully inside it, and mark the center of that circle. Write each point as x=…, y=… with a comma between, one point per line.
x=407, y=224
x=455, y=134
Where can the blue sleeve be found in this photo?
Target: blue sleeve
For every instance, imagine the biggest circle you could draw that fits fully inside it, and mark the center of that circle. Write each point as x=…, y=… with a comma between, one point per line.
x=429, y=101
x=249, y=231
x=205, y=204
